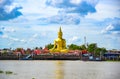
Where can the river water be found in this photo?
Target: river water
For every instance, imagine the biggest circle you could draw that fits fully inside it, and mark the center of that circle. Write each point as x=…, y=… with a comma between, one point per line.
x=39, y=69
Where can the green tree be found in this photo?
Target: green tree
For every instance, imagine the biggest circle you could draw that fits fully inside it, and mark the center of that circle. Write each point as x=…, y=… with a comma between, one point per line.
x=49, y=46
x=73, y=47
x=92, y=47
x=103, y=50
x=18, y=49
x=83, y=47
x=97, y=52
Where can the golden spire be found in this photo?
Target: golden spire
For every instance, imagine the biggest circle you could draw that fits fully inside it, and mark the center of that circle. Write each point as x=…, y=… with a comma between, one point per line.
x=60, y=31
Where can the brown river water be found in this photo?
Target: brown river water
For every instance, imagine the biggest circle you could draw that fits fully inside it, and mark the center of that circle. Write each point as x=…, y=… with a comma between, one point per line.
x=48, y=69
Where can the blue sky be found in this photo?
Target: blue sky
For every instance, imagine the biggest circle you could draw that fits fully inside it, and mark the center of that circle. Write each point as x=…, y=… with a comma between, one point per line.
x=35, y=23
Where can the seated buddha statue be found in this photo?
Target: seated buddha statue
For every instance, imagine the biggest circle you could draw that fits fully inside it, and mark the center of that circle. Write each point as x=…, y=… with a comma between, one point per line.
x=59, y=44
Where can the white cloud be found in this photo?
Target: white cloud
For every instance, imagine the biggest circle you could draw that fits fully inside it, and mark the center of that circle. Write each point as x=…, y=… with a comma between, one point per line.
x=93, y=2
x=13, y=39
x=16, y=39
x=9, y=29
x=55, y=2
x=2, y=2
x=36, y=7
x=4, y=36
x=33, y=38
x=33, y=10
x=44, y=34
x=61, y=19
x=108, y=28
x=106, y=10
x=9, y=8
x=74, y=39
x=116, y=32
x=35, y=35
x=75, y=1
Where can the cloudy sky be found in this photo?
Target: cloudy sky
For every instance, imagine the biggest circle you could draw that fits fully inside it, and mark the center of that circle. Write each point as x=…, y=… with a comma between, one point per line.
x=35, y=23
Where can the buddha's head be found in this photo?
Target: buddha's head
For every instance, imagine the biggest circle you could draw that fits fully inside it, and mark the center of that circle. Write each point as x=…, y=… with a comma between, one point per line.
x=60, y=33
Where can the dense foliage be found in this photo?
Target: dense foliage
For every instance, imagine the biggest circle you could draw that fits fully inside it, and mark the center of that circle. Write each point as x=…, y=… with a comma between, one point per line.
x=91, y=48
x=49, y=46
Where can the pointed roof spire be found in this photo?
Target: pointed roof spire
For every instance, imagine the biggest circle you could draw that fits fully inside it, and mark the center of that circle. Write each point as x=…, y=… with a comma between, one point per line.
x=60, y=30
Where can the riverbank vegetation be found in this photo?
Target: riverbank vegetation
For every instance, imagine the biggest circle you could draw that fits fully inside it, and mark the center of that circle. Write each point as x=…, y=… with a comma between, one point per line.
x=91, y=48
x=1, y=71
x=6, y=72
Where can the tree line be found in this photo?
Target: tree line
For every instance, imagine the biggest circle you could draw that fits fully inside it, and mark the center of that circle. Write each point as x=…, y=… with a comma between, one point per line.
x=90, y=48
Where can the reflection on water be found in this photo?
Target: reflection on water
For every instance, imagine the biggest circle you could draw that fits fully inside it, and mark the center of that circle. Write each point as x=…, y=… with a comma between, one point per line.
x=39, y=69
x=59, y=72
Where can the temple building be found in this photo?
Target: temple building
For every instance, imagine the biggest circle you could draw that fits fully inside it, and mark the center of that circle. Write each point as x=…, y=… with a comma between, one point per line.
x=59, y=44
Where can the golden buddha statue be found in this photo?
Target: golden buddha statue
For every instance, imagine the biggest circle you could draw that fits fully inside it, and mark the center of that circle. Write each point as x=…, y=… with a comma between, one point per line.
x=59, y=44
